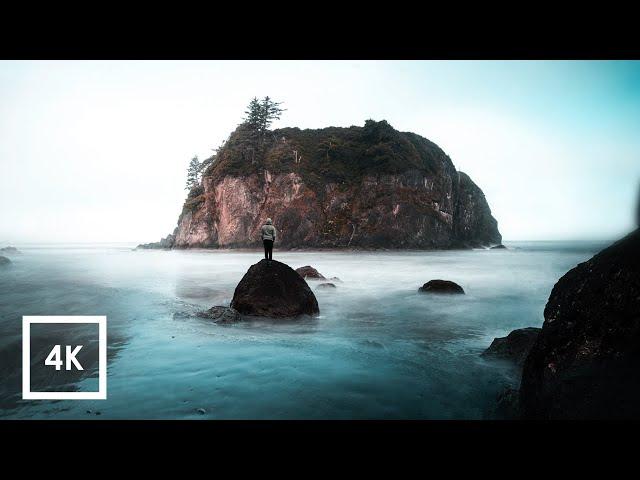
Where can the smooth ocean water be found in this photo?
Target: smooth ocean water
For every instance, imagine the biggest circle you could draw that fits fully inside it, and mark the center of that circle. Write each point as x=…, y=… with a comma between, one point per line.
x=379, y=350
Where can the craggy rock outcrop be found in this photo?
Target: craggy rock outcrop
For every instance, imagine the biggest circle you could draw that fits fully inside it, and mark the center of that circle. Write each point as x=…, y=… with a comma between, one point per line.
x=441, y=286
x=586, y=359
x=4, y=261
x=273, y=289
x=515, y=346
x=357, y=187
x=165, y=243
x=220, y=314
x=309, y=272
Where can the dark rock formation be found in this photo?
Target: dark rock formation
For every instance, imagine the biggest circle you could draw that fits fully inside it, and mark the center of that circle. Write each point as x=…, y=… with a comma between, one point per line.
x=508, y=404
x=357, y=187
x=220, y=314
x=273, y=289
x=441, y=286
x=326, y=285
x=497, y=247
x=515, y=346
x=308, y=272
x=10, y=250
x=4, y=261
x=586, y=360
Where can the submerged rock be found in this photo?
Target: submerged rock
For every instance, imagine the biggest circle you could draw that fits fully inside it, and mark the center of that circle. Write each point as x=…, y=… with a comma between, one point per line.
x=586, y=359
x=4, y=261
x=273, y=289
x=220, y=314
x=308, y=272
x=515, y=346
x=10, y=250
x=441, y=286
x=326, y=285
x=498, y=247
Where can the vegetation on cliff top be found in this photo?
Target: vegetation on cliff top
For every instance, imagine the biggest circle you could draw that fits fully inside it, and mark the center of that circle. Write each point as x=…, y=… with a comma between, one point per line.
x=333, y=154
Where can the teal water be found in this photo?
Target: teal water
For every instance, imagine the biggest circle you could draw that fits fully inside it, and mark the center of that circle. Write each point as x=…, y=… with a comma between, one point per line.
x=379, y=350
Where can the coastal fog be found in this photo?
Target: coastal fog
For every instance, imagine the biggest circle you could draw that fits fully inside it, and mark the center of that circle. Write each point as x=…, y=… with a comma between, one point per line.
x=379, y=349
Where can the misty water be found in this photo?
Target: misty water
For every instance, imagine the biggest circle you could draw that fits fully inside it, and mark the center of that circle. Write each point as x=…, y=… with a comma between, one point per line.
x=378, y=350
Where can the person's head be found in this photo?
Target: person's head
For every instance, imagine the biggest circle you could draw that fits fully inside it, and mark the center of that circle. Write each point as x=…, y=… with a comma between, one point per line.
x=268, y=222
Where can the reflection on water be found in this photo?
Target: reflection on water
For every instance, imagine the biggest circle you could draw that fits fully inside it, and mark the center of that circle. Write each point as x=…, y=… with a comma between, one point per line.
x=378, y=350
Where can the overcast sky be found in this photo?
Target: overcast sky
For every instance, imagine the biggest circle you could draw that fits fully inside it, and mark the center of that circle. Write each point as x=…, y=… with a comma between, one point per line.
x=98, y=151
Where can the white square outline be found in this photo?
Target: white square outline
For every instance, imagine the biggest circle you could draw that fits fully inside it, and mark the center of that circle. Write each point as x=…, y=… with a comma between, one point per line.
x=101, y=394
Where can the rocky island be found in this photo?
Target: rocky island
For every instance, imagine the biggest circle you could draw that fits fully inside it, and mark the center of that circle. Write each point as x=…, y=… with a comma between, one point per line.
x=364, y=187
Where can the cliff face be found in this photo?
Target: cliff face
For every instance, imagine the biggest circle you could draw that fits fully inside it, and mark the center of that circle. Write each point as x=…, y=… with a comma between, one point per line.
x=367, y=187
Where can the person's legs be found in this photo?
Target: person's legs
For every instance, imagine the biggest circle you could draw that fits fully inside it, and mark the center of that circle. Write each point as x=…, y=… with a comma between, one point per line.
x=266, y=249
x=270, y=249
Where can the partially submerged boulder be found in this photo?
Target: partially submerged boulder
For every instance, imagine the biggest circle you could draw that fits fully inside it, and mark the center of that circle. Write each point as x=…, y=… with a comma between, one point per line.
x=326, y=285
x=220, y=314
x=496, y=247
x=441, y=286
x=4, y=261
x=273, y=289
x=515, y=346
x=10, y=250
x=308, y=272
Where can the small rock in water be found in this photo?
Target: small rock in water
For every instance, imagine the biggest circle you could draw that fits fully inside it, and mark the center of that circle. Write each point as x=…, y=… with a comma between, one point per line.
x=98, y=413
x=326, y=285
x=88, y=411
x=498, y=247
x=13, y=250
x=201, y=411
x=308, y=272
x=4, y=261
x=441, y=286
x=220, y=314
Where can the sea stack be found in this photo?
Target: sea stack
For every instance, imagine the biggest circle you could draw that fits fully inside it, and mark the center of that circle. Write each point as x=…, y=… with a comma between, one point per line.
x=363, y=187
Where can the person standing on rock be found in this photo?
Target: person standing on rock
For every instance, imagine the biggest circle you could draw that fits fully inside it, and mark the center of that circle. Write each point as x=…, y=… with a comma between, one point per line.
x=268, y=237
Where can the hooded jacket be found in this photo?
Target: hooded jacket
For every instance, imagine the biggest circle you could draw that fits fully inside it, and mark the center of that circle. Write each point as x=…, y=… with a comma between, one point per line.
x=268, y=231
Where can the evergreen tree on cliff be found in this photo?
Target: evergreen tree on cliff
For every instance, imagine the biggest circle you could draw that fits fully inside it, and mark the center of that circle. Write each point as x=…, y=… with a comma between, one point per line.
x=193, y=173
x=261, y=114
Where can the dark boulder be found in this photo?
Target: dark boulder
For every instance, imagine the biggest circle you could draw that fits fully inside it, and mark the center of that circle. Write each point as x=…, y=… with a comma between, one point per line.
x=308, y=272
x=498, y=247
x=586, y=359
x=441, y=286
x=4, y=261
x=273, y=289
x=326, y=285
x=515, y=346
x=220, y=314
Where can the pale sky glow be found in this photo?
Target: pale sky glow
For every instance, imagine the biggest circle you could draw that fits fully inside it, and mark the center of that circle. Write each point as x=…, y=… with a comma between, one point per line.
x=98, y=151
